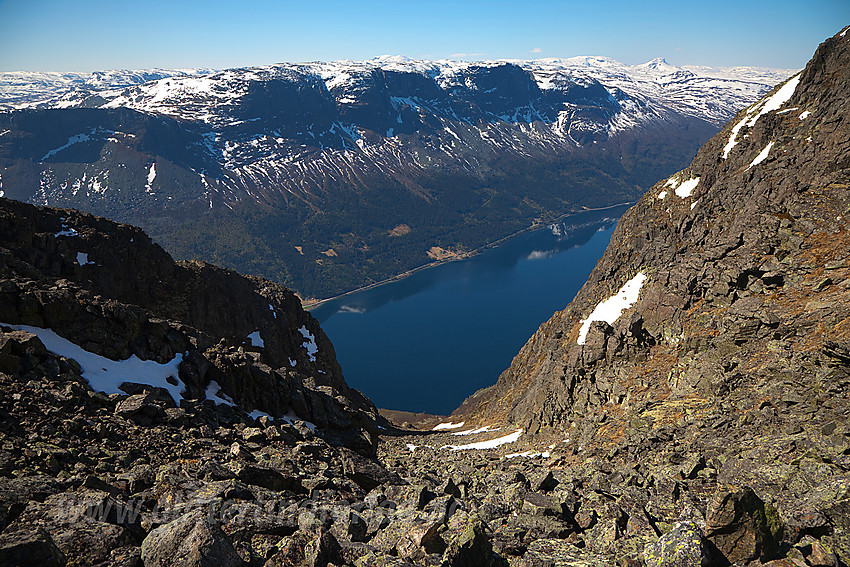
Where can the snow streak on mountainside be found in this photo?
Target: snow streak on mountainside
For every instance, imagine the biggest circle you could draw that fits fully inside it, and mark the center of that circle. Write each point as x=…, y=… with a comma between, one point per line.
x=328, y=166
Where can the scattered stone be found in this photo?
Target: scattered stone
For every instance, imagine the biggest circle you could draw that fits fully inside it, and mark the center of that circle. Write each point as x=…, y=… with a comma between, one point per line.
x=683, y=546
x=253, y=434
x=472, y=547
x=192, y=540
x=265, y=477
x=742, y=526
x=140, y=408
x=29, y=547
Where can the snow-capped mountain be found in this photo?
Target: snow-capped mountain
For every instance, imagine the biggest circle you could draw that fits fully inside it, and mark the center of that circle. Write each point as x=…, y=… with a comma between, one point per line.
x=353, y=163
x=27, y=89
x=711, y=93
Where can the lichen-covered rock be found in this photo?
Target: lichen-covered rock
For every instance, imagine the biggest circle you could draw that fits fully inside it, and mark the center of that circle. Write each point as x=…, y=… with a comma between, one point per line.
x=82, y=525
x=192, y=540
x=471, y=547
x=742, y=526
x=683, y=546
x=25, y=547
x=558, y=553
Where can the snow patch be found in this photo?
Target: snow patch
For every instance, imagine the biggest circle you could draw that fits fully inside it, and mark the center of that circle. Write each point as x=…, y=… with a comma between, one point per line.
x=491, y=444
x=681, y=188
x=484, y=429
x=779, y=98
x=687, y=187
x=104, y=374
x=151, y=177
x=256, y=339
x=411, y=447
x=529, y=454
x=662, y=194
x=448, y=425
x=66, y=231
x=310, y=343
x=216, y=395
x=291, y=418
x=83, y=259
x=770, y=104
x=611, y=309
x=805, y=115
x=71, y=141
x=761, y=157
x=732, y=137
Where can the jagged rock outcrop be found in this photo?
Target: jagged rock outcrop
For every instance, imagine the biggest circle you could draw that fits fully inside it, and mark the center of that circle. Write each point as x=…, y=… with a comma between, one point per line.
x=109, y=289
x=729, y=362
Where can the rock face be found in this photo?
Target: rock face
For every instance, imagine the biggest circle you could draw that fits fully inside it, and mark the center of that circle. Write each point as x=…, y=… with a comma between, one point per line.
x=712, y=340
x=245, y=342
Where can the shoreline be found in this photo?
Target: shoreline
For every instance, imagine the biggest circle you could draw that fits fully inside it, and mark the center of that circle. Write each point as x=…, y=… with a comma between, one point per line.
x=309, y=305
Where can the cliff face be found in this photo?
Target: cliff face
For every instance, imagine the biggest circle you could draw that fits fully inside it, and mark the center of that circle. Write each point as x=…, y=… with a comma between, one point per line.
x=733, y=336
x=109, y=289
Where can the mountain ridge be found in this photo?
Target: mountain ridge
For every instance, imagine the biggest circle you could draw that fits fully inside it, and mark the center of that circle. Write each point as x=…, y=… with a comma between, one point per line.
x=242, y=341
x=314, y=166
x=27, y=89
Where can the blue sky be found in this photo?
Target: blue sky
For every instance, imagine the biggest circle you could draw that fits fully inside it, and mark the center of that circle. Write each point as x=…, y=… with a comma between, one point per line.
x=88, y=35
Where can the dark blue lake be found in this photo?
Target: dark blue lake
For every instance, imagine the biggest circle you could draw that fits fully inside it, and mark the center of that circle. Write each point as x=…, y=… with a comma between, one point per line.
x=428, y=341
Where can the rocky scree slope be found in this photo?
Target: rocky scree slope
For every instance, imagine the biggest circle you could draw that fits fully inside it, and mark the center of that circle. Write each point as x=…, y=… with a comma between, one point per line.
x=327, y=176
x=243, y=342
x=92, y=479
x=128, y=478
x=731, y=351
x=88, y=479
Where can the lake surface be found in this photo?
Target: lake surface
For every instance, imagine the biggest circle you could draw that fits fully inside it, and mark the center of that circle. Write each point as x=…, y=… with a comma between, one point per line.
x=428, y=341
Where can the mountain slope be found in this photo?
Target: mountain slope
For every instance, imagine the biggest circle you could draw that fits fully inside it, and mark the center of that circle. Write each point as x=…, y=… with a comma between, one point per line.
x=107, y=289
x=326, y=176
x=717, y=324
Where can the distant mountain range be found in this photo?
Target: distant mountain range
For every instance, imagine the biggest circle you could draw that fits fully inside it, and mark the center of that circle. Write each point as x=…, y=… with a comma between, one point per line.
x=327, y=176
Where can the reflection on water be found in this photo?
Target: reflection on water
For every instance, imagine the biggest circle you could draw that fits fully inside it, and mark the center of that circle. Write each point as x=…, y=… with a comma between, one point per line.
x=541, y=254
x=426, y=342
